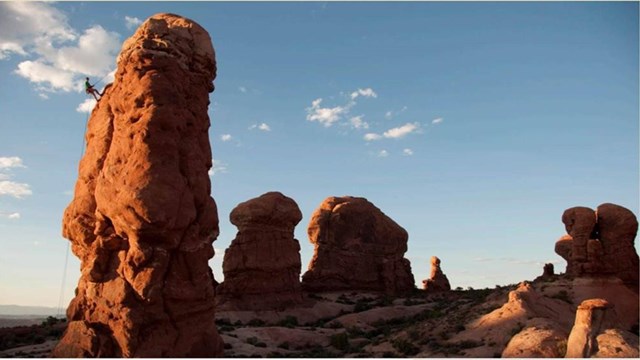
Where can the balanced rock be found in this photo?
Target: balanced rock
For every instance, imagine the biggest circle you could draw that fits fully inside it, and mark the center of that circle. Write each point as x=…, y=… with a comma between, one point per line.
x=262, y=265
x=438, y=281
x=590, y=321
x=600, y=243
x=142, y=220
x=356, y=247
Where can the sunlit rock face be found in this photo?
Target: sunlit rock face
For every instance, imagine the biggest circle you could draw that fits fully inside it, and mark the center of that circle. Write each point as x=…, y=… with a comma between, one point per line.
x=262, y=264
x=356, y=247
x=142, y=220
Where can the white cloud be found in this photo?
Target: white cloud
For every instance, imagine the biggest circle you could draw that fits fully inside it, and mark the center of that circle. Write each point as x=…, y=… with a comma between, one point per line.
x=218, y=167
x=388, y=114
x=44, y=96
x=17, y=190
x=383, y=153
x=242, y=89
x=31, y=26
x=391, y=114
x=407, y=152
x=14, y=216
x=437, y=121
x=357, y=122
x=368, y=92
x=401, y=131
x=47, y=77
x=132, y=22
x=372, y=136
x=86, y=106
x=11, y=162
x=57, y=58
x=225, y=137
x=325, y=116
x=263, y=127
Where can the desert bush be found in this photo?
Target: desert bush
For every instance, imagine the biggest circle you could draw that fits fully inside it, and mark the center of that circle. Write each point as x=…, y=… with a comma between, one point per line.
x=252, y=340
x=284, y=345
x=517, y=329
x=340, y=341
x=256, y=322
x=561, y=346
x=563, y=295
x=228, y=346
x=289, y=321
x=405, y=347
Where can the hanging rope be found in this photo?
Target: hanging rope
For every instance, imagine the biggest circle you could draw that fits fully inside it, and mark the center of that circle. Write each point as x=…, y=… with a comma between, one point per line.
x=66, y=257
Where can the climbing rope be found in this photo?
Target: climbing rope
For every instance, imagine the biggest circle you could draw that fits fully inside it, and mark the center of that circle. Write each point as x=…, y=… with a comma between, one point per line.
x=66, y=257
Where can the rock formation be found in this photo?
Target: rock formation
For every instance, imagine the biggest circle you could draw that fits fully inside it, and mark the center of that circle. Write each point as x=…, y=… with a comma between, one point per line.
x=357, y=247
x=142, y=221
x=600, y=243
x=438, y=281
x=590, y=321
x=262, y=265
x=548, y=273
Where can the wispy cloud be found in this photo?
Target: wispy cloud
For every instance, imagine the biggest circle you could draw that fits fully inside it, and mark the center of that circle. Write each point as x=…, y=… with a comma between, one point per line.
x=401, y=131
x=394, y=133
x=437, y=121
x=372, y=137
x=357, y=122
x=383, y=153
x=14, y=216
x=242, y=89
x=225, y=137
x=218, y=167
x=15, y=189
x=391, y=114
x=11, y=162
x=262, y=127
x=57, y=55
x=132, y=22
x=7, y=186
x=368, y=92
x=86, y=106
x=325, y=116
x=407, y=152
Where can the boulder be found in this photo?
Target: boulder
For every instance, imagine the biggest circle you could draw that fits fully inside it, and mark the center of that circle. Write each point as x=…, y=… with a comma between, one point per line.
x=142, y=220
x=262, y=265
x=356, y=247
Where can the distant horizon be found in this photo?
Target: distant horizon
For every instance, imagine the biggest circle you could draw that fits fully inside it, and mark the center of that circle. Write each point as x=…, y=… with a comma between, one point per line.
x=471, y=125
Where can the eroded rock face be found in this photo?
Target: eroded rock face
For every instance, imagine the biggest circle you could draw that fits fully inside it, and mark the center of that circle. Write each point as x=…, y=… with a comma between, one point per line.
x=600, y=243
x=262, y=265
x=142, y=221
x=356, y=247
x=618, y=228
x=437, y=281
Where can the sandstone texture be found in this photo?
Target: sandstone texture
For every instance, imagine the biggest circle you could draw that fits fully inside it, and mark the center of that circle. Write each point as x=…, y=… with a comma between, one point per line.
x=356, y=247
x=437, y=281
x=262, y=264
x=600, y=243
x=142, y=220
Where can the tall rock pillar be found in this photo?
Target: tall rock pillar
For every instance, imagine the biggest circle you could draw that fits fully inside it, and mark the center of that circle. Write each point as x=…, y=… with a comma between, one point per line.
x=142, y=220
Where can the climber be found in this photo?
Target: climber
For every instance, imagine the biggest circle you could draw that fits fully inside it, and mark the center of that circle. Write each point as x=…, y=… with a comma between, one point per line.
x=91, y=90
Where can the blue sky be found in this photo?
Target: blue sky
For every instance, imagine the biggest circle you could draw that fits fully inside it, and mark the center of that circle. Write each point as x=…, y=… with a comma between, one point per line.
x=472, y=125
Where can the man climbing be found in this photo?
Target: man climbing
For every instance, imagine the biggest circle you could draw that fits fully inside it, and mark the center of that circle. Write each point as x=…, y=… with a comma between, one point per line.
x=91, y=90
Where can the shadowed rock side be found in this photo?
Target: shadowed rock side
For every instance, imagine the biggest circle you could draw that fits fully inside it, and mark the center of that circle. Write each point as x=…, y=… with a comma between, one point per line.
x=357, y=247
x=600, y=243
x=262, y=264
x=438, y=281
x=590, y=321
x=142, y=221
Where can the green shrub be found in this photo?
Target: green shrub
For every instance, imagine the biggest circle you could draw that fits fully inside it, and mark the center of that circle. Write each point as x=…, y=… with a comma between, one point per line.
x=252, y=340
x=284, y=345
x=256, y=322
